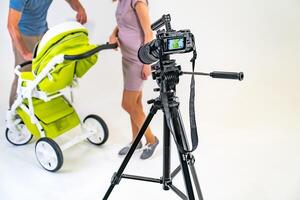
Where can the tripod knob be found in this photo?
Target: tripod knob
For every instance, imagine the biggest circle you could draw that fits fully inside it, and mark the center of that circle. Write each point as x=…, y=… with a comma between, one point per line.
x=155, y=74
x=156, y=89
x=151, y=101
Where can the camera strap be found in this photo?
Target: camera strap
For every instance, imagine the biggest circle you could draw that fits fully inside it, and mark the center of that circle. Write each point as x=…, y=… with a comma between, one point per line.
x=193, y=125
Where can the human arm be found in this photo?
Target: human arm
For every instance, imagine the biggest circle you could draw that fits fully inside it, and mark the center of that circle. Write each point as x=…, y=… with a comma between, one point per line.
x=81, y=16
x=142, y=11
x=14, y=18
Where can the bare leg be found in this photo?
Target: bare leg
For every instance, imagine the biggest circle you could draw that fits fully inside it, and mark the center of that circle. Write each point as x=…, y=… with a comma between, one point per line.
x=150, y=138
x=132, y=103
x=30, y=42
x=13, y=91
x=134, y=128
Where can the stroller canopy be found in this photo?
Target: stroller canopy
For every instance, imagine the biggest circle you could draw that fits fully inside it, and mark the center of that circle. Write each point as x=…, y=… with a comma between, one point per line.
x=69, y=38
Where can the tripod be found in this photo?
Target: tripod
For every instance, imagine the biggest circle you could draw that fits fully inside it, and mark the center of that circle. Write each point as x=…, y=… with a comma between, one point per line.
x=166, y=73
x=186, y=159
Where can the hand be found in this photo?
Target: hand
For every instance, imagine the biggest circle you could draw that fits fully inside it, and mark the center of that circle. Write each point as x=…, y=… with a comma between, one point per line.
x=81, y=16
x=114, y=39
x=148, y=38
x=27, y=56
x=146, y=71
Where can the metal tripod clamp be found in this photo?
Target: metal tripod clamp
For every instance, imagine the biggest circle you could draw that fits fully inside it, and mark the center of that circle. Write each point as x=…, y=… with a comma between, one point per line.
x=115, y=180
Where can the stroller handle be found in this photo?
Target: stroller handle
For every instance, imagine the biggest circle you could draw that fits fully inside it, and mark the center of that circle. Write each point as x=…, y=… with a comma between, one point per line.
x=18, y=67
x=91, y=52
x=25, y=63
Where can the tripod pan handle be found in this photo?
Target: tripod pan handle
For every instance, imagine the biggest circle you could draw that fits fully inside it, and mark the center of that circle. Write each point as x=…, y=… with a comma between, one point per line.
x=227, y=75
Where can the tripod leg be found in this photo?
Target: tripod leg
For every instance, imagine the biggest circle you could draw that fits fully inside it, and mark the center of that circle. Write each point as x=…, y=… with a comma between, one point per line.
x=191, y=160
x=166, y=157
x=117, y=176
x=186, y=177
x=181, y=139
x=195, y=178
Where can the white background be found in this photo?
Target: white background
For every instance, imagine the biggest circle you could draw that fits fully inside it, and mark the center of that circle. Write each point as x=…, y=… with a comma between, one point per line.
x=249, y=130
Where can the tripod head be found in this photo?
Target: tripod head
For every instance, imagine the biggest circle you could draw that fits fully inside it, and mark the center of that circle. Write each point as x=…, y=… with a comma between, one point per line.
x=170, y=72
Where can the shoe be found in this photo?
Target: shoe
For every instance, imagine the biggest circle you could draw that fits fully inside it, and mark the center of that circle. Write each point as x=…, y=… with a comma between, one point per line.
x=149, y=150
x=125, y=149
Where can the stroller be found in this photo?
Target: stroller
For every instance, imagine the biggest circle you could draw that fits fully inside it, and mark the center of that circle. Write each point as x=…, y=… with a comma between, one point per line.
x=41, y=109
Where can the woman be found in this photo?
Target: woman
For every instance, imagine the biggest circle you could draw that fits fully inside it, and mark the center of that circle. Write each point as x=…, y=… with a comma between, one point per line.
x=133, y=30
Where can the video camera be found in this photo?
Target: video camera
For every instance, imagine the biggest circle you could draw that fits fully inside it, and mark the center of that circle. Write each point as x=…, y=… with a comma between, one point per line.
x=171, y=42
x=167, y=42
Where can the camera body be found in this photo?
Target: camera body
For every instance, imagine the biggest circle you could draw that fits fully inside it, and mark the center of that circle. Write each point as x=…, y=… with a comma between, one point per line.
x=167, y=42
x=174, y=42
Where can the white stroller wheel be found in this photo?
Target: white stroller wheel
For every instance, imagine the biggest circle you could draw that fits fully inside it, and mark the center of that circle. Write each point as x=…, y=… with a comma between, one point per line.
x=49, y=154
x=96, y=125
x=20, y=137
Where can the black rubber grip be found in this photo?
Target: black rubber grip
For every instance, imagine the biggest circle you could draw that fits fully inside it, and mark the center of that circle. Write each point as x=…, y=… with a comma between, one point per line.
x=91, y=52
x=228, y=75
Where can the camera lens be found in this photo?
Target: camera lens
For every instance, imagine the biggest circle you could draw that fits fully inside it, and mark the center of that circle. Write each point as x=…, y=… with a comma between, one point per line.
x=149, y=53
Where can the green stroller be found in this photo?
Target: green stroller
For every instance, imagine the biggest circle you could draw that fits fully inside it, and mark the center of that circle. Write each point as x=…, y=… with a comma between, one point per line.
x=41, y=108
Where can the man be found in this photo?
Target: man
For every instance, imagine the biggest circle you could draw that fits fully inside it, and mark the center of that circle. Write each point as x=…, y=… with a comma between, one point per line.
x=27, y=24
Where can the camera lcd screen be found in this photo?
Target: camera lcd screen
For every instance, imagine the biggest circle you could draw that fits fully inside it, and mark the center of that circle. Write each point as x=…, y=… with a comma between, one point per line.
x=175, y=44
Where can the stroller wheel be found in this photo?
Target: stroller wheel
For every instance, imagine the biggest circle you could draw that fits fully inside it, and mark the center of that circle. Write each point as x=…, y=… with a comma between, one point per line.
x=94, y=123
x=49, y=154
x=19, y=138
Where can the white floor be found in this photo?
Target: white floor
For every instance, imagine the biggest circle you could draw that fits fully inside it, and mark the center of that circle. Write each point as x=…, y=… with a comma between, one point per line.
x=249, y=146
x=240, y=165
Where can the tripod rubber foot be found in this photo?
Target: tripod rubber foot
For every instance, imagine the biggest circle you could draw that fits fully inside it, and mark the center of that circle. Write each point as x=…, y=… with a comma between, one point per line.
x=166, y=187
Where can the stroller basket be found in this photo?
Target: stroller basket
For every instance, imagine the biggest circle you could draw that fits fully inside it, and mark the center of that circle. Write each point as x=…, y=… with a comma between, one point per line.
x=56, y=117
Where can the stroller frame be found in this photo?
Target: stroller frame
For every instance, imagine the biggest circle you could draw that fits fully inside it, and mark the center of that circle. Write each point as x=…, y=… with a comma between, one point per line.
x=17, y=132
x=30, y=92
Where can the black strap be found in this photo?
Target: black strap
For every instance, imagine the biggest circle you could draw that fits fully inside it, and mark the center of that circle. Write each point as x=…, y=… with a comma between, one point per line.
x=193, y=125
